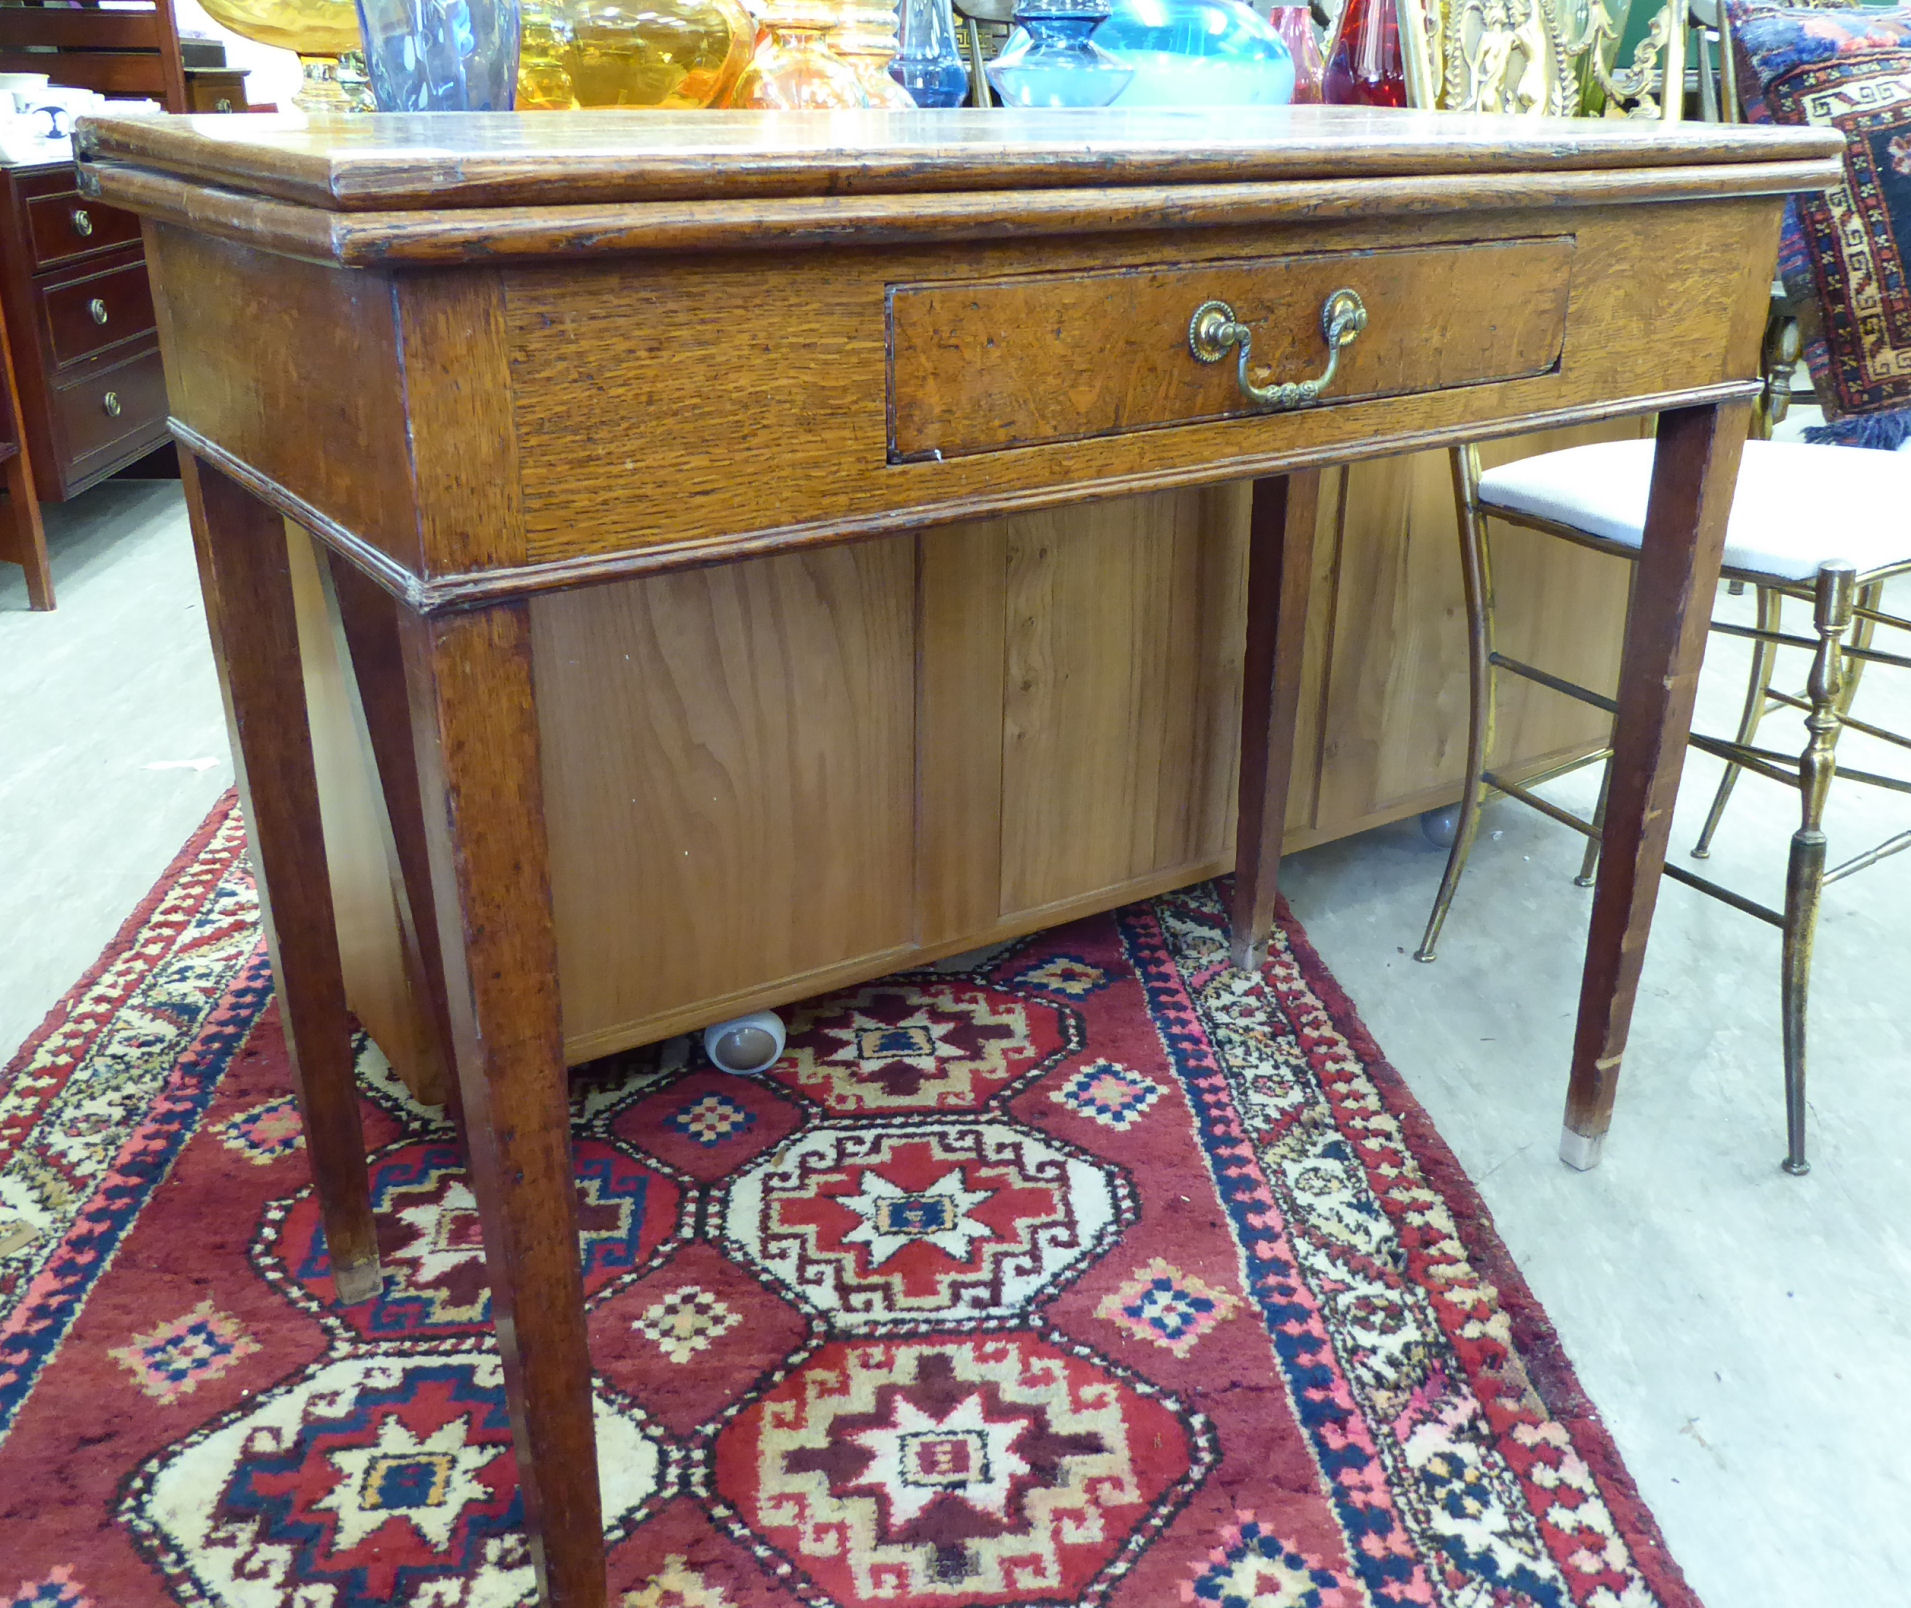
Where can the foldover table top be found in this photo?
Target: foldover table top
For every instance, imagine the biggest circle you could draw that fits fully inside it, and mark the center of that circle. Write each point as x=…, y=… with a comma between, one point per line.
x=886, y=174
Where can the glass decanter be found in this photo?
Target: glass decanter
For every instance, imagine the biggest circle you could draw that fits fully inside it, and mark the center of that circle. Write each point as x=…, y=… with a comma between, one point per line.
x=928, y=60
x=1197, y=53
x=795, y=68
x=441, y=55
x=866, y=39
x=1050, y=61
x=1294, y=26
x=1365, y=67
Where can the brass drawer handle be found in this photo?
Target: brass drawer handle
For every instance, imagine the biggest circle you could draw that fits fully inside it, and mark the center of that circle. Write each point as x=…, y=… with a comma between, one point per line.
x=82, y=221
x=97, y=308
x=110, y=402
x=1213, y=330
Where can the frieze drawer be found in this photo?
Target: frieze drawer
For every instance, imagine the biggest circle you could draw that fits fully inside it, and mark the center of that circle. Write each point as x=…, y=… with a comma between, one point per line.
x=985, y=365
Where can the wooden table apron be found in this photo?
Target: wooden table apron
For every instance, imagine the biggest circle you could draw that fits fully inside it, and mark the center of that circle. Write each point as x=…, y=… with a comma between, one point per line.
x=475, y=405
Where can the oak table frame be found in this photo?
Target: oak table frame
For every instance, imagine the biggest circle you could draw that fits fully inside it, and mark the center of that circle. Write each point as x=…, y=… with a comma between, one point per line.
x=401, y=332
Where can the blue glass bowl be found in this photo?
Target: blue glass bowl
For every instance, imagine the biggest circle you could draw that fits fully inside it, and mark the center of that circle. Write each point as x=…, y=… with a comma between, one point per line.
x=1198, y=53
x=1050, y=61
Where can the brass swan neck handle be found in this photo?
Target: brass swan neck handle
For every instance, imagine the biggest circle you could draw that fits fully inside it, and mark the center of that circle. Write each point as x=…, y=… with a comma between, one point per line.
x=1214, y=329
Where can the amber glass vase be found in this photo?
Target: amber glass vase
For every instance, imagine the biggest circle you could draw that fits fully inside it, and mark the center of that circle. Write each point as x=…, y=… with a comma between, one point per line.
x=866, y=39
x=1365, y=67
x=668, y=53
x=796, y=68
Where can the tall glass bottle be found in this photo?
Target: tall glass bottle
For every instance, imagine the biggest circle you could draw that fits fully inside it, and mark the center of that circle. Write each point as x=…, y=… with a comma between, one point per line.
x=1366, y=67
x=795, y=68
x=928, y=60
x=1294, y=27
x=866, y=39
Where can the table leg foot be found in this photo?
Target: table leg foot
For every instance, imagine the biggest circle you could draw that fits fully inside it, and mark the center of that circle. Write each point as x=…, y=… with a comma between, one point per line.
x=359, y=1281
x=1581, y=1150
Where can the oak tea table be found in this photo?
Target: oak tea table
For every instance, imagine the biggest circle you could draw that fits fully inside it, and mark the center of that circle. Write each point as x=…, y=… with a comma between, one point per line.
x=486, y=358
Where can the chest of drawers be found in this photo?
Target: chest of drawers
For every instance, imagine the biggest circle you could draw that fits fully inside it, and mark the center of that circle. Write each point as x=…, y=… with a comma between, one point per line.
x=80, y=315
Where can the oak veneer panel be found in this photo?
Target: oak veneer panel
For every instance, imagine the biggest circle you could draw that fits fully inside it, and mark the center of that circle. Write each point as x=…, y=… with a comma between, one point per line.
x=387, y=998
x=1121, y=707
x=738, y=351
x=962, y=603
x=292, y=368
x=729, y=762
x=976, y=366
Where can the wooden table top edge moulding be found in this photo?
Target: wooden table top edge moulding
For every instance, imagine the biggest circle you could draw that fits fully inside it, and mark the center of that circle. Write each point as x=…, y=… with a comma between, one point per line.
x=858, y=332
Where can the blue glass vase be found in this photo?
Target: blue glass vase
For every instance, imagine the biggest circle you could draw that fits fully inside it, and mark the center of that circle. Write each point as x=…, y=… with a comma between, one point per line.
x=1051, y=61
x=928, y=61
x=441, y=55
x=1198, y=53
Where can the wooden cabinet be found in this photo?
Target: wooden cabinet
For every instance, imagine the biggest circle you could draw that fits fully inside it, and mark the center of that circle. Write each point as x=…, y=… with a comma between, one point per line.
x=79, y=312
x=1010, y=720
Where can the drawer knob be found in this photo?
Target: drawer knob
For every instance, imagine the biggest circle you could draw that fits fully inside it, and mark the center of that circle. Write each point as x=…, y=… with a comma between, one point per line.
x=110, y=402
x=97, y=309
x=82, y=221
x=1214, y=330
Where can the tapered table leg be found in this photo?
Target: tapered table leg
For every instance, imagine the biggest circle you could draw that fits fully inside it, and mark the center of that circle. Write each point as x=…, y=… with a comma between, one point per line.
x=474, y=723
x=1280, y=561
x=1693, y=477
x=246, y=576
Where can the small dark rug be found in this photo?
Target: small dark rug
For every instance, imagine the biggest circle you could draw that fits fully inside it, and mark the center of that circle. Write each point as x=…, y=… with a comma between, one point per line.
x=1086, y=1270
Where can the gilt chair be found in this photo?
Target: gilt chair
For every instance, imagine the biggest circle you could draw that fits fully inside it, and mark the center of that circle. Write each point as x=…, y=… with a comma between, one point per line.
x=1824, y=523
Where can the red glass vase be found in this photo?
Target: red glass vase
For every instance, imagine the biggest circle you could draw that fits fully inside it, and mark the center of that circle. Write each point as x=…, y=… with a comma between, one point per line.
x=1366, y=67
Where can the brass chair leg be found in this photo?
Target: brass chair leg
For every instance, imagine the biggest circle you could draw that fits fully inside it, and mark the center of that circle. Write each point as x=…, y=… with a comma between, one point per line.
x=1805, y=876
x=1763, y=653
x=1481, y=685
x=1862, y=631
x=1589, y=866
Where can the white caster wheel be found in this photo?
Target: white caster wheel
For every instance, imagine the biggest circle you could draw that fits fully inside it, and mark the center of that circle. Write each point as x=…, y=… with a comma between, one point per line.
x=746, y=1045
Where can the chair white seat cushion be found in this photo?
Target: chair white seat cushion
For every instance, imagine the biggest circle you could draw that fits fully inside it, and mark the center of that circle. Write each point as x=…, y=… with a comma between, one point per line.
x=1797, y=508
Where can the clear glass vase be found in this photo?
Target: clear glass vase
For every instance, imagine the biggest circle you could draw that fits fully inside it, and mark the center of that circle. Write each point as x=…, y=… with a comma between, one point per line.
x=866, y=39
x=795, y=68
x=928, y=60
x=1197, y=53
x=1051, y=61
x=441, y=55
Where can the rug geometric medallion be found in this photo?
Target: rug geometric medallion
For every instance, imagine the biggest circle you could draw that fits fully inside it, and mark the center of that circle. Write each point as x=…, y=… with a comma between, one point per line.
x=1085, y=1270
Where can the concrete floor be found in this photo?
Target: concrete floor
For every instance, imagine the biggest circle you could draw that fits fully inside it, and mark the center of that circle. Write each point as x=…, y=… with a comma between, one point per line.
x=1747, y=1335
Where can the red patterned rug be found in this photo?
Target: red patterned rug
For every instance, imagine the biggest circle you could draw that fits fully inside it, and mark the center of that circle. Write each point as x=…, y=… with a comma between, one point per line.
x=1086, y=1270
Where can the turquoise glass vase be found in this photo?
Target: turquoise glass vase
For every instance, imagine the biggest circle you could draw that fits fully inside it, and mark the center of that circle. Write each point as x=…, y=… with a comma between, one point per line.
x=441, y=55
x=1198, y=53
